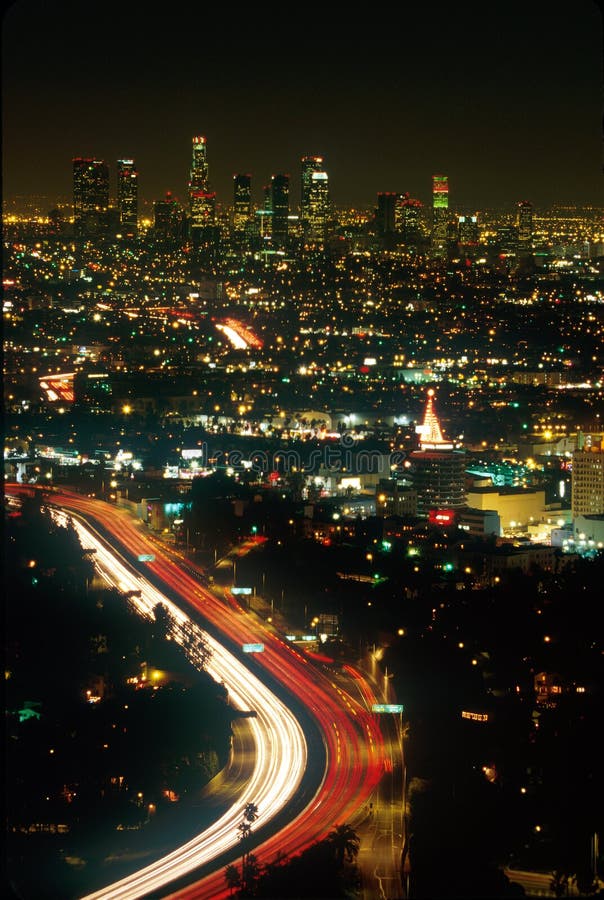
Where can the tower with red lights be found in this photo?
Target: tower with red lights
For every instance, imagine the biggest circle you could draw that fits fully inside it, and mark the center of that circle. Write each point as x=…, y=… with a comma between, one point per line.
x=202, y=201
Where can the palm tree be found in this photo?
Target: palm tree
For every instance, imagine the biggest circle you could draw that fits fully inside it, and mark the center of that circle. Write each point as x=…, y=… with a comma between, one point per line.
x=345, y=843
x=250, y=812
x=249, y=868
x=232, y=877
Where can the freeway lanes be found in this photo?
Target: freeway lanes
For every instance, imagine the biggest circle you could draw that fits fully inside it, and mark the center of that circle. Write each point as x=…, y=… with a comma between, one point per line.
x=352, y=741
x=280, y=748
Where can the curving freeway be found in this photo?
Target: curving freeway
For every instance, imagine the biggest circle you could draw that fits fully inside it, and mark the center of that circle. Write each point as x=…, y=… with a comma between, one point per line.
x=281, y=684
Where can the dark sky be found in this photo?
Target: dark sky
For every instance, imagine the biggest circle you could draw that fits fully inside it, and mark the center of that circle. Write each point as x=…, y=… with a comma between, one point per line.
x=504, y=97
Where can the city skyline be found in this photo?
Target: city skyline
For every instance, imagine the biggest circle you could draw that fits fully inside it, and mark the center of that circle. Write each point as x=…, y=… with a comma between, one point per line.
x=509, y=106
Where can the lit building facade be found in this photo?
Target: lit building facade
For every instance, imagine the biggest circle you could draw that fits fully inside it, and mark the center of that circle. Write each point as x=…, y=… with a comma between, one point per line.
x=202, y=201
x=90, y=196
x=314, y=199
x=587, y=484
x=440, y=215
x=168, y=220
x=467, y=231
x=309, y=164
x=127, y=195
x=319, y=206
x=407, y=219
x=516, y=507
x=242, y=202
x=525, y=226
x=280, y=210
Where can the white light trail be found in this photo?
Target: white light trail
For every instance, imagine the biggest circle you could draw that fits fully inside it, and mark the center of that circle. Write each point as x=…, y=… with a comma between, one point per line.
x=236, y=340
x=281, y=750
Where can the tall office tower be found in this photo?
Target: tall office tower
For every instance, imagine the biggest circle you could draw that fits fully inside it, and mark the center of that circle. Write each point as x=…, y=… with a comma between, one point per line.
x=467, y=231
x=242, y=202
x=168, y=220
x=202, y=201
x=264, y=215
x=385, y=213
x=318, y=207
x=438, y=467
x=525, y=226
x=587, y=481
x=309, y=164
x=127, y=195
x=440, y=215
x=90, y=196
x=407, y=218
x=280, y=208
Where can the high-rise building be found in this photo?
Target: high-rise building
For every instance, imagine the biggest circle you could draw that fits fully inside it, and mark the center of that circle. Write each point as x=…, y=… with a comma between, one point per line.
x=90, y=196
x=309, y=165
x=202, y=201
x=438, y=467
x=168, y=220
x=264, y=216
x=587, y=481
x=407, y=218
x=440, y=215
x=467, y=230
x=280, y=208
x=242, y=202
x=318, y=207
x=525, y=226
x=127, y=195
x=385, y=213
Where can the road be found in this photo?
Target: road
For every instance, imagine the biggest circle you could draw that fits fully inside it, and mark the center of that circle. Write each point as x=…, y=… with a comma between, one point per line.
x=352, y=754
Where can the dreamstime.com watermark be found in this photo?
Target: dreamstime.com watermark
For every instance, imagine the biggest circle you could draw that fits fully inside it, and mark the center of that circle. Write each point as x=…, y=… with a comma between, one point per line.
x=343, y=456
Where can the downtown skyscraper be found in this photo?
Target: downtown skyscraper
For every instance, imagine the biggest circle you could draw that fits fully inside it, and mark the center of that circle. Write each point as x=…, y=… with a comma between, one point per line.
x=440, y=215
x=202, y=201
x=242, y=202
x=90, y=196
x=525, y=226
x=127, y=195
x=280, y=210
x=314, y=198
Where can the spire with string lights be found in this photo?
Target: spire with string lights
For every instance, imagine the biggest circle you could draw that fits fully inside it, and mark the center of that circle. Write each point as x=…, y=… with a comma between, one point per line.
x=430, y=433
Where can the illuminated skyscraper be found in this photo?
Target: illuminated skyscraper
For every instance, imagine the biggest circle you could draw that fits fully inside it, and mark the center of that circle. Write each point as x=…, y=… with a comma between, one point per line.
x=318, y=207
x=407, y=216
x=264, y=216
x=280, y=208
x=438, y=467
x=440, y=214
x=310, y=164
x=90, y=196
x=127, y=195
x=202, y=201
x=525, y=226
x=242, y=202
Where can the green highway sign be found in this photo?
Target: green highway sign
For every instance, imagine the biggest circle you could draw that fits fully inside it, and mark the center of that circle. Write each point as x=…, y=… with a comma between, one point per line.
x=146, y=557
x=241, y=590
x=252, y=648
x=387, y=708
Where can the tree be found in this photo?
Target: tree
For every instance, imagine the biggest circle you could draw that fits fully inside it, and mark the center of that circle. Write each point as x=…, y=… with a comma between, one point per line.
x=345, y=843
x=232, y=878
x=249, y=865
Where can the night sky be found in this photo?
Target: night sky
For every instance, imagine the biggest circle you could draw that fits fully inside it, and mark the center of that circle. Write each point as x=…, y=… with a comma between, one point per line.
x=504, y=97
